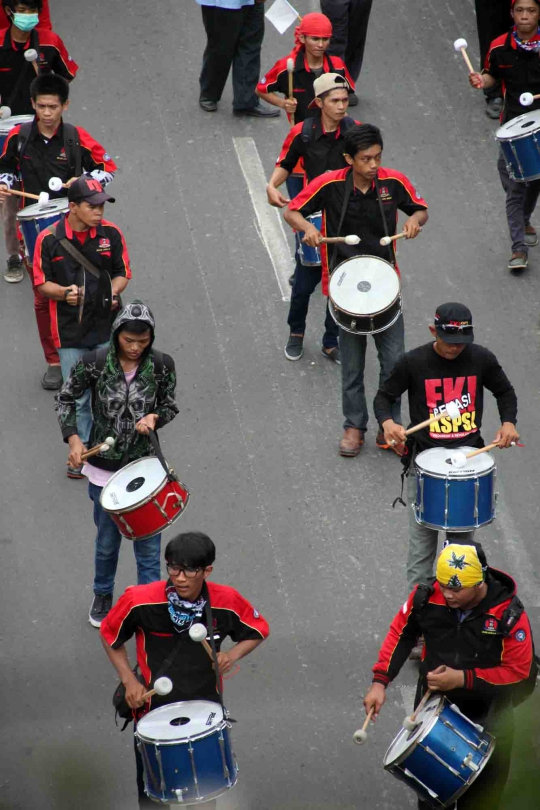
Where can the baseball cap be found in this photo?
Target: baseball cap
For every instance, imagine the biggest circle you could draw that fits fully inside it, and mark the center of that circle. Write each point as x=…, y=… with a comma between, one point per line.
x=329, y=81
x=453, y=323
x=87, y=189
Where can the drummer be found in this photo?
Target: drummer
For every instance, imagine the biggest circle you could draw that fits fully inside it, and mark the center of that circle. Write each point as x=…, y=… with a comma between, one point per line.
x=368, y=189
x=16, y=75
x=318, y=142
x=513, y=60
x=133, y=391
x=34, y=153
x=479, y=652
x=160, y=615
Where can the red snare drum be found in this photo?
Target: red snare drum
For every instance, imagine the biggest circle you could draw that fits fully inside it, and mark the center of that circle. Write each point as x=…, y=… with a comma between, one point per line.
x=141, y=500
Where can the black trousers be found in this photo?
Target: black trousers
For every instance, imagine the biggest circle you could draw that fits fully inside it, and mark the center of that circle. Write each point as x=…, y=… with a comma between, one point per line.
x=350, y=20
x=492, y=19
x=234, y=38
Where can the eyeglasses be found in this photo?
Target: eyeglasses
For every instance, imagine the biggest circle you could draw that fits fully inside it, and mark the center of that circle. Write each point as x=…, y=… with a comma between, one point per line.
x=452, y=329
x=189, y=573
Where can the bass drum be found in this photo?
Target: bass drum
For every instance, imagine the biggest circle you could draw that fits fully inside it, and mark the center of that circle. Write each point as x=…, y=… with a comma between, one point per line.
x=365, y=295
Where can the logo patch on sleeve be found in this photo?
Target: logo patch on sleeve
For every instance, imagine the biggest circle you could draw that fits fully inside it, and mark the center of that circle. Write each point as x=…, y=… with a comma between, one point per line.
x=521, y=635
x=256, y=614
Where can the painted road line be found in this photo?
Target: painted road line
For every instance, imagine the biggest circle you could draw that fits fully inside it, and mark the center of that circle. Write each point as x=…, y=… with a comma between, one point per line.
x=269, y=219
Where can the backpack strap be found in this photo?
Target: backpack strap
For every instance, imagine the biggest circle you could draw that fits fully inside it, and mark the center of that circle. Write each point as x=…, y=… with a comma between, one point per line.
x=511, y=616
x=307, y=130
x=421, y=596
x=22, y=137
x=72, y=145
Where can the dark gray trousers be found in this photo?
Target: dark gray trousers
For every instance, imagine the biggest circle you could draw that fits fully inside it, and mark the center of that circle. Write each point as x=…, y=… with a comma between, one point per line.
x=521, y=201
x=350, y=20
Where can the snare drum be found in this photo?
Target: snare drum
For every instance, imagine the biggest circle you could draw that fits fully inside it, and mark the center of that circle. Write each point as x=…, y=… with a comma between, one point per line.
x=310, y=256
x=141, y=500
x=444, y=754
x=458, y=499
x=36, y=218
x=7, y=124
x=186, y=752
x=365, y=295
x=519, y=142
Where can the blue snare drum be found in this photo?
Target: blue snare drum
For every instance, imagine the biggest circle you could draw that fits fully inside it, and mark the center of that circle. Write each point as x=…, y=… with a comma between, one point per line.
x=35, y=218
x=442, y=756
x=458, y=499
x=309, y=256
x=186, y=752
x=7, y=124
x=519, y=140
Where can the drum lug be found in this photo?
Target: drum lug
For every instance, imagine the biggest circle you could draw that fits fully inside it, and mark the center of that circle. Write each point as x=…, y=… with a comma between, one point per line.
x=194, y=769
x=468, y=763
x=179, y=795
x=476, y=491
x=179, y=501
x=446, y=495
x=130, y=533
x=162, y=784
x=226, y=772
x=433, y=795
x=439, y=759
x=517, y=179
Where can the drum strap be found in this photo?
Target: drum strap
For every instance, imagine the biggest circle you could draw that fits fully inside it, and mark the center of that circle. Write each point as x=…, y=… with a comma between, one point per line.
x=210, y=628
x=78, y=256
x=157, y=449
x=346, y=195
x=391, y=252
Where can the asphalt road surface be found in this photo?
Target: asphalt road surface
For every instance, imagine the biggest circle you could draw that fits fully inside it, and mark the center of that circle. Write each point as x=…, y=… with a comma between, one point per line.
x=309, y=537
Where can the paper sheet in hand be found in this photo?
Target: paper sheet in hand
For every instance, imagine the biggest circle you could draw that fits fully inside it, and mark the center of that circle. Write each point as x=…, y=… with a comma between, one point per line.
x=282, y=15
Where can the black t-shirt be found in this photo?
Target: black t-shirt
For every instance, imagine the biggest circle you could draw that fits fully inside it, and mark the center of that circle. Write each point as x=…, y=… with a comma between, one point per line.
x=431, y=382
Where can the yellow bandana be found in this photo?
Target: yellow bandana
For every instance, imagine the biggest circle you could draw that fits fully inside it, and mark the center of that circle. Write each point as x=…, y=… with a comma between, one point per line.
x=459, y=567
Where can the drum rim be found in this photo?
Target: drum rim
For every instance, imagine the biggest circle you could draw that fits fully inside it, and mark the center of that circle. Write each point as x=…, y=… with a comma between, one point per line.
x=469, y=477
x=332, y=307
x=180, y=704
x=513, y=122
x=19, y=120
x=207, y=797
x=23, y=217
x=139, y=503
x=372, y=314
x=200, y=736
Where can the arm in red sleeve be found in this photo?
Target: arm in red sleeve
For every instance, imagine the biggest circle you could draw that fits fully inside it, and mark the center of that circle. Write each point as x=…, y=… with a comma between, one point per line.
x=275, y=81
x=95, y=159
x=44, y=16
x=120, y=623
x=120, y=257
x=63, y=64
x=292, y=149
x=311, y=198
x=245, y=621
x=398, y=644
x=515, y=666
x=42, y=263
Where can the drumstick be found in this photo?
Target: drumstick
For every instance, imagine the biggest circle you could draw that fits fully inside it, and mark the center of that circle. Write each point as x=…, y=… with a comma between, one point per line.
x=55, y=184
x=162, y=686
x=42, y=197
x=452, y=411
x=360, y=735
x=525, y=99
x=485, y=449
x=410, y=723
x=351, y=239
x=461, y=45
x=5, y=112
x=387, y=239
x=290, y=71
x=100, y=448
x=31, y=55
x=197, y=632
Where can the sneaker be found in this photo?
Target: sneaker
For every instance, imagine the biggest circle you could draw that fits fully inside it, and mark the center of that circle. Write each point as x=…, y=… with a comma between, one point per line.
x=382, y=444
x=52, y=379
x=332, y=354
x=75, y=472
x=518, y=261
x=294, y=348
x=291, y=280
x=14, y=272
x=531, y=237
x=100, y=607
x=207, y=104
x=494, y=107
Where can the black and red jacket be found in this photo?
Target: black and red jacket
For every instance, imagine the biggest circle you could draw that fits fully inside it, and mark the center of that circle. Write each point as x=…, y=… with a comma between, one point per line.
x=517, y=70
x=363, y=216
x=52, y=58
x=319, y=151
x=106, y=249
x=277, y=79
x=493, y=663
x=143, y=611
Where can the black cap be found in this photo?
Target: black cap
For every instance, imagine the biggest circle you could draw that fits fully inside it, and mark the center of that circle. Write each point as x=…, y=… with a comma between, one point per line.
x=86, y=189
x=453, y=323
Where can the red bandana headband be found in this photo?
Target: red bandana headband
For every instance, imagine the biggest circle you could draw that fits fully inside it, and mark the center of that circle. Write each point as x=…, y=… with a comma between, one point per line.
x=313, y=25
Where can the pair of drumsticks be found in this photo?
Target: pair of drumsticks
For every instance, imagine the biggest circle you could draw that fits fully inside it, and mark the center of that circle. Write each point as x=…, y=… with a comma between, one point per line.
x=409, y=723
x=55, y=184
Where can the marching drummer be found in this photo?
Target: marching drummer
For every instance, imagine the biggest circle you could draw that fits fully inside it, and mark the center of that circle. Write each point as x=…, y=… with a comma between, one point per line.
x=160, y=615
x=513, y=60
x=16, y=75
x=351, y=201
x=34, y=153
x=318, y=142
x=132, y=386
x=450, y=368
x=479, y=651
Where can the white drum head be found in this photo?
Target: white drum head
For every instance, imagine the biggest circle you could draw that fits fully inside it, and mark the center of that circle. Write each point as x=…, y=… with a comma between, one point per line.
x=519, y=127
x=438, y=460
x=133, y=484
x=406, y=740
x=38, y=211
x=7, y=124
x=181, y=721
x=364, y=285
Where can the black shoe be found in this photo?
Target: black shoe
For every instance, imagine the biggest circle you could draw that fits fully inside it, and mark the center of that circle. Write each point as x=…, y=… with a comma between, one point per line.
x=207, y=104
x=258, y=111
x=494, y=107
x=353, y=100
x=75, y=472
x=14, y=272
x=291, y=280
x=332, y=354
x=294, y=348
x=52, y=379
x=100, y=607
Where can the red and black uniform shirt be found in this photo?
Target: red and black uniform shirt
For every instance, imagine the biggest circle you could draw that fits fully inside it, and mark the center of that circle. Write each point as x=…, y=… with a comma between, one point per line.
x=431, y=381
x=143, y=611
x=52, y=58
x=277, y=80
x=362, y=217
x=106, y=249
x=44, y=17
x=517, y=70
x=323, y=152
x=472, y=642
x=45, y=158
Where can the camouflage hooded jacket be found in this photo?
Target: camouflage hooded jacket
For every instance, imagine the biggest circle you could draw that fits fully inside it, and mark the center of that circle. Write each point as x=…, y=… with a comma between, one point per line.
x=117, y=406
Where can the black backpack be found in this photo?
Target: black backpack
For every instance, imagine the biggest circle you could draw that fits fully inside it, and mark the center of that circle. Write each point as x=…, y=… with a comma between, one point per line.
x=309, y=124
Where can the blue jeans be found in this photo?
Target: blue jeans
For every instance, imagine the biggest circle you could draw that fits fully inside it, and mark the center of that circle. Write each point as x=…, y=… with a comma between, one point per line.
x=68, y=358
x=305, y=281
x=108, y=539
x=352, y=351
